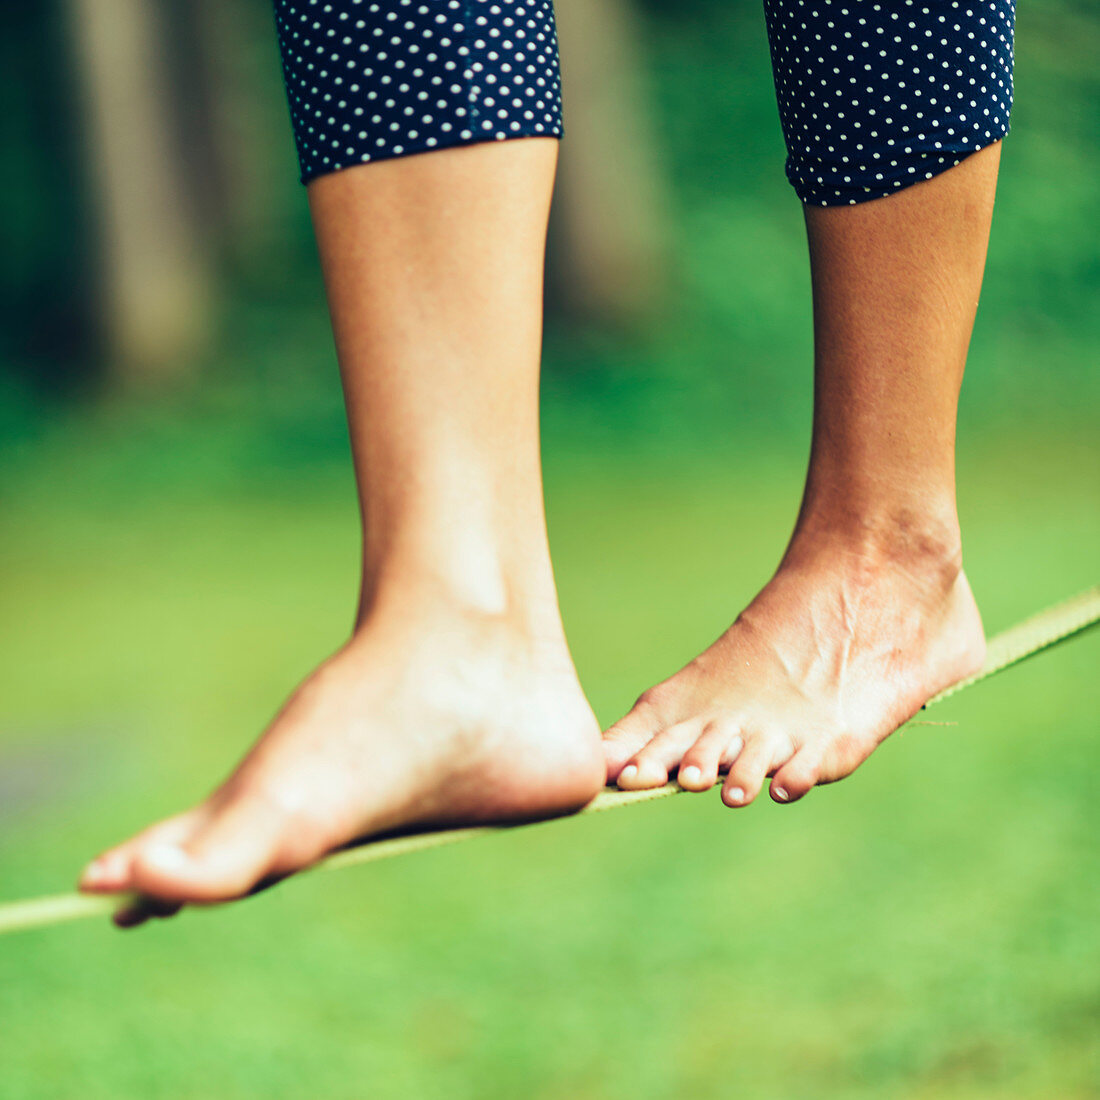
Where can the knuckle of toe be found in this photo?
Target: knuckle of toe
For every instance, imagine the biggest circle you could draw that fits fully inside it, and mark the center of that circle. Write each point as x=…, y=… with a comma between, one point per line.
x=847, y=747
x=616, y=733
x=721, y=722
x=802, y=781
x=654, y=698
x=302, y=848
x=784, y=746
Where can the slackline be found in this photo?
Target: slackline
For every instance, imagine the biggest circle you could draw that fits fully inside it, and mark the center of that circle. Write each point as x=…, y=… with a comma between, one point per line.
x=1041, y=631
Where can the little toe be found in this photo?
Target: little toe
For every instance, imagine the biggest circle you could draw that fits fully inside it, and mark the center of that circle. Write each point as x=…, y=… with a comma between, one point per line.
x=797, y=777
x=652, y=764
x=747, y=773
x=627, y=736
x=720, y=741
x=225, y=858
x=842, y=754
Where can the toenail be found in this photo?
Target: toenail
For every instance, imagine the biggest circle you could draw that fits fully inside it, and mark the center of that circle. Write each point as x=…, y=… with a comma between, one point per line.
x=782, y=795
x=93, y=874
x=691, y=773
x=735, y=794
x=629, y=772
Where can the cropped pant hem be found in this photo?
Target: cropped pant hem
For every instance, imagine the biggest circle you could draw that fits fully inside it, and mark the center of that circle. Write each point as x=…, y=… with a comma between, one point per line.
x=426, y=145
x=804, y=177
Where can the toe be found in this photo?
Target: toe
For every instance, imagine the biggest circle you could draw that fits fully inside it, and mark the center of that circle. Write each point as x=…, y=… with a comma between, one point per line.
x=843, y=753
x=107, y=873
x=111, y=871
x=762, y=753
x=797, y=777
x=224, y=859
x=627, y=736
x=640, y=777
x=650, y=766
x=720, y=742
x=145, y=909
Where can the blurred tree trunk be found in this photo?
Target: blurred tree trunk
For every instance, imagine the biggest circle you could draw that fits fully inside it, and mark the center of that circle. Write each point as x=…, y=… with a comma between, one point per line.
x=228, y=89
x=608, y=247
x=155, y=289
x=169, y=174
x=46, y=318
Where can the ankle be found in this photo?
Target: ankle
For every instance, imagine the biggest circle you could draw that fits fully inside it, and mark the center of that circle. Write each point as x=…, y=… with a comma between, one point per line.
x=484, y=594
x=924, y=543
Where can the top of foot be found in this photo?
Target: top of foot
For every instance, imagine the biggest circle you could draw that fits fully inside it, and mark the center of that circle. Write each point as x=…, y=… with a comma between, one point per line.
x=832, y=656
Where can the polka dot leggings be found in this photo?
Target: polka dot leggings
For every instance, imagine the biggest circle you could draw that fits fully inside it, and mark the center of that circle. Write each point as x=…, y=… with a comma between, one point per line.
x=873, y=96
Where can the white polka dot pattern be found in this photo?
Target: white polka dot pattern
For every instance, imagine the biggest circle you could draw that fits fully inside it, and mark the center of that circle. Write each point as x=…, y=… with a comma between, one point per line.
x=373, y=79
x=878, y=94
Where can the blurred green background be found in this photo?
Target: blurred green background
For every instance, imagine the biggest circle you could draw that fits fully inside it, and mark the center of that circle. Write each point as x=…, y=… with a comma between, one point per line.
x=178, y=547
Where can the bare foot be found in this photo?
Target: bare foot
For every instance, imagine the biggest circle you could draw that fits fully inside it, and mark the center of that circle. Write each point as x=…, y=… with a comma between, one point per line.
x=844, y=645
x=429, y=715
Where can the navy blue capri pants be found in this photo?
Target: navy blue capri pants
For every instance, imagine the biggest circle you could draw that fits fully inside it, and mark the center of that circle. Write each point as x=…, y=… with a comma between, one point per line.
x=872, y=96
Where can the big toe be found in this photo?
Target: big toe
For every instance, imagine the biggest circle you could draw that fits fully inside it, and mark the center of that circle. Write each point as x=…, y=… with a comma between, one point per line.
x=112, y=871
x=650, y=766
x=625, y=738
x=109, y=872
x=224, y=859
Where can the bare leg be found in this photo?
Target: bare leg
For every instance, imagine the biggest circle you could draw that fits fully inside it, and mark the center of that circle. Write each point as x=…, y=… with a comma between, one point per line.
x=455, y=699
x=869, y=613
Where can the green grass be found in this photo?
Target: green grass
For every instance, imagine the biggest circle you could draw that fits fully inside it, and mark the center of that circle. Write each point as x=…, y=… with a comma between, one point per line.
x=925, y=929
x=171, y=565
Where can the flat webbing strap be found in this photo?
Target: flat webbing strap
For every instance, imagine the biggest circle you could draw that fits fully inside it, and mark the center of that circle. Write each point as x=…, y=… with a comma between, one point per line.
x=1042, y=631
